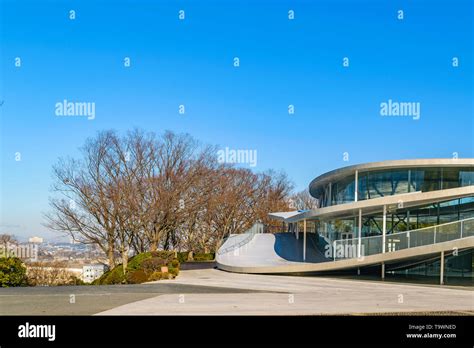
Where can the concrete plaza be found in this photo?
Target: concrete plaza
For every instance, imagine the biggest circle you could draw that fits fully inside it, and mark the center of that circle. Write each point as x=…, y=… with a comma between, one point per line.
x=292, y=295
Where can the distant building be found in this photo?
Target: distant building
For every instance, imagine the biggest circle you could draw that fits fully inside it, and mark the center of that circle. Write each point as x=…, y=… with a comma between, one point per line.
x=92, y=272
x=35, y=240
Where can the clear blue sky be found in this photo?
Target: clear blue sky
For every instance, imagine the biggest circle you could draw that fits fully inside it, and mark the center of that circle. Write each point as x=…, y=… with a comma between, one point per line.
x=190, y=62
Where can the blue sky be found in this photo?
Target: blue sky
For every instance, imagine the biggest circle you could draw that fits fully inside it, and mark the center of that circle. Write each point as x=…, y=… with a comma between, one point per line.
x=190, y=62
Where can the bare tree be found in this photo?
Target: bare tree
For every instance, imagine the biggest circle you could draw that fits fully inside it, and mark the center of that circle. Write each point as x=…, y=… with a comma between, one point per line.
x=83, y=207
x=303, y=201
x=275, y=190
x=141, y=192
x=49, y=274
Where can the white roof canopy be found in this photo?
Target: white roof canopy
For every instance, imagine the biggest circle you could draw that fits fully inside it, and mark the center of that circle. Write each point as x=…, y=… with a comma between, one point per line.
x=285, y=215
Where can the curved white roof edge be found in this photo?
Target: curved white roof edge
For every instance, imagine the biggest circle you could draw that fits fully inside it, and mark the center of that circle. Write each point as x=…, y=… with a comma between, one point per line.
x=407, y=163
x=285, y=215
x=376, y=204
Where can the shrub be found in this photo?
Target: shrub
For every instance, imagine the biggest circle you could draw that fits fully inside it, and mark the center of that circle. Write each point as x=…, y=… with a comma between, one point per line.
x=73, y=280
x=141, y=268
x=136, y=261
x=186, y=256
x=137, y=277
x=173, y=271
x=155, y=276
x=175, y=263
x=165, y=255
x=204, y=256
x=114, y=276
x=183, y=256
x=12, y=272
x=153, y=264
x=50, y=274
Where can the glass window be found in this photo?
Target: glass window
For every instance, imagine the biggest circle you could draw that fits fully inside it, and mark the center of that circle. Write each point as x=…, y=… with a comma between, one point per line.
x=371, y=226
x=362, y=191
x=466, y=208
x=449, y=211
x=380, y=184
x=416, y=180
x=466, y=177
x=387, y=183
x=431, y=180
x=343, y=191
x=399, y=182
x=450, y=178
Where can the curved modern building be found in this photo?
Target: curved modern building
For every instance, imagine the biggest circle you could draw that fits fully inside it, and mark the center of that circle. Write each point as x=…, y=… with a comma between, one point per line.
x=417, y=193
x=402, y=215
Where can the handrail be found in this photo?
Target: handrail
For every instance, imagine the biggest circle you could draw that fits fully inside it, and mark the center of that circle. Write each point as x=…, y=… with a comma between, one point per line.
x=403, y=240
x=251, y=232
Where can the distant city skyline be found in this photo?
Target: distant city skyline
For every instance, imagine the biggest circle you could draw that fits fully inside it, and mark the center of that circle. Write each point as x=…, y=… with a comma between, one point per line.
x=331, y=84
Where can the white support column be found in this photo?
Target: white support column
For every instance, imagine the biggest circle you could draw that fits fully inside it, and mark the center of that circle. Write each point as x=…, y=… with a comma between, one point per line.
x=304, y=240
x=384, y=227
x=359, y=234
x=441, y=269
x=383, y=270
x=296, y=229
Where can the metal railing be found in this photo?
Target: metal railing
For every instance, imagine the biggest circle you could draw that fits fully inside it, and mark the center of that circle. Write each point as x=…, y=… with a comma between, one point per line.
x=349, y=248
x=237, y=240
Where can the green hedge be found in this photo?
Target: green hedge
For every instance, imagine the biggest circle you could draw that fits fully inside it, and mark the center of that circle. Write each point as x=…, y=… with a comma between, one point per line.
x=137, y=277
x=183, y=256
x=204, y=256
x=114, y=276
x=142, y=268
x=12, y=272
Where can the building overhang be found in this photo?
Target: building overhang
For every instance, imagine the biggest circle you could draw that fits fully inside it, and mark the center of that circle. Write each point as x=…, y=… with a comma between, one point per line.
x=375, y=205
x=286, y=215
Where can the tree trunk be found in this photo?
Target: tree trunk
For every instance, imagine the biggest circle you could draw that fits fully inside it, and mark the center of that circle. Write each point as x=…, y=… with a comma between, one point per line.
x=124, y=260
x=110, y=256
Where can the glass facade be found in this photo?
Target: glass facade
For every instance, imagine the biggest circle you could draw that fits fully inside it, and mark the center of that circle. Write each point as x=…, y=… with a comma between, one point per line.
x=458, y=269
x=375, y=184
x=400, y=220
x=343, y=191
x=344, y=231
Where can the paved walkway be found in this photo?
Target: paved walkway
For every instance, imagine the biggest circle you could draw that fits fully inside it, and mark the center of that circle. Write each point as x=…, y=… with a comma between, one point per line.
x=286, y=295
x=87, y=300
